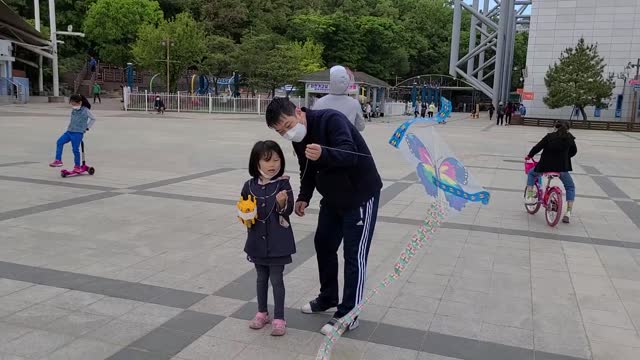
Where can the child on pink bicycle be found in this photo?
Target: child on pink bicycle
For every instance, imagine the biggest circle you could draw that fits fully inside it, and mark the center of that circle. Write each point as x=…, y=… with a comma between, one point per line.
x=557, y=149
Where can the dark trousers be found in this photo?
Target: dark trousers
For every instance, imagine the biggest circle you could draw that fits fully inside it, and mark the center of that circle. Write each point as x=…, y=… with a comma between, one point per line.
x=273, y=272
x=490, y=115
x=507, y=119
x=98, y=97
x=356, y=226
x=499, y=119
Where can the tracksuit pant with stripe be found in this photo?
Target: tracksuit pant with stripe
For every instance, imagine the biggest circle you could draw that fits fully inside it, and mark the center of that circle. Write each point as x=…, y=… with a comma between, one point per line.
x=356, y=227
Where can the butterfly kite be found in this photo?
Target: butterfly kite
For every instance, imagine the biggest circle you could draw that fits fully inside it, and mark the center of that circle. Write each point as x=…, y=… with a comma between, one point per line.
x=445, y=180
x=448, y=175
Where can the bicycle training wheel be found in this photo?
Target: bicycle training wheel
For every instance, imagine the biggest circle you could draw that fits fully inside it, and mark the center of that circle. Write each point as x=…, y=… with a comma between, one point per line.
x=533, y=208
x=553, y=211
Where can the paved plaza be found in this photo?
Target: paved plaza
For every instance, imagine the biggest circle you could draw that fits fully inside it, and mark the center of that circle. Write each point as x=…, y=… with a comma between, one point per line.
x=144, y=260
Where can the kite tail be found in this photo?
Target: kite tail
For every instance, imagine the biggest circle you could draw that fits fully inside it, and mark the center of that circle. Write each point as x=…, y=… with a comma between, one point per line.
x=435, y=217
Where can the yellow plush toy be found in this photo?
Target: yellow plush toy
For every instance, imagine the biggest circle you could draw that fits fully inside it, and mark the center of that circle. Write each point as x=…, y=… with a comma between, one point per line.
x=247, y=210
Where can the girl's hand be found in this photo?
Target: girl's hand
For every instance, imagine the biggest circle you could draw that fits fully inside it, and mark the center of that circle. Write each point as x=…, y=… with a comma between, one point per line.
x=281, y=198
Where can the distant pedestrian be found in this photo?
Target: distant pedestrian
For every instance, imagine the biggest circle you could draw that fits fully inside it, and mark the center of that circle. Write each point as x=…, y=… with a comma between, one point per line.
x=508, y=112
x=432, y=109
x=93, y=65
x=491, y=110
x=416, y=110
x=367, y=111
x=500, y=118
x=158, y=105
x=96, y=92
x=423, y=110
x=522, y=110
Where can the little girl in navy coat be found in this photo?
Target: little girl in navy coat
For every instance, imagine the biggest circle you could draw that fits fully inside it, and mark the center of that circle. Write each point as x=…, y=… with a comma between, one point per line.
x=270, y=241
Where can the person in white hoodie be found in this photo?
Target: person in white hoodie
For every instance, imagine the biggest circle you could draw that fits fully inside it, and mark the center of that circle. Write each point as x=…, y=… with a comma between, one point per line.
x=339, y=81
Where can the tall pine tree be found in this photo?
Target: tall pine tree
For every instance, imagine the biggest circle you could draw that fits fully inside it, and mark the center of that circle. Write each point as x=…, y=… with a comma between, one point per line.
x=578, y=79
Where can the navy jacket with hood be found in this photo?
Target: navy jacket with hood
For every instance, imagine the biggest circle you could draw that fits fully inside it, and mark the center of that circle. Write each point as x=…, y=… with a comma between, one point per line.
x=271, y=236
x=344, y=179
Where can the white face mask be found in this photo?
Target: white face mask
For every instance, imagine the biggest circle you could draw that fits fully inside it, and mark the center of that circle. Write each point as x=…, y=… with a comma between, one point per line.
x=296, y=133
x=267, y=176
x=76, y=107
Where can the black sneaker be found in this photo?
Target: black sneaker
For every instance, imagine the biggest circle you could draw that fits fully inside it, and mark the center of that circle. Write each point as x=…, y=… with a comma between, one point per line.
x=316, y=306
x=331, y=324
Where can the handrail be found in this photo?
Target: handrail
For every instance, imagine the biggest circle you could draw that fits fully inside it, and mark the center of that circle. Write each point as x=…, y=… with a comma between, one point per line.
x=585, y=124
x=20, y=91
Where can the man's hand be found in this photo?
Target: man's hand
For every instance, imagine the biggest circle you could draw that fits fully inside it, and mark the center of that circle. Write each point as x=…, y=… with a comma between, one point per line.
x=299, y=207
x=313, y=152
x=281, y=198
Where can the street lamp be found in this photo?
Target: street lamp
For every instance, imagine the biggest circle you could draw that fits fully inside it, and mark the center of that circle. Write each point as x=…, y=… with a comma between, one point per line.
x=634, y=110
x=168, y=43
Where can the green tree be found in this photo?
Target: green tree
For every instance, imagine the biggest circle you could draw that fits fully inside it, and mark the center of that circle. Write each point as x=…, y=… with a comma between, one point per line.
x=578, y=79
x=220, y=59
x=254, y=51
x=285, y=64
x=376, y=45
x=519, y=59
x=308, y=55
x=227, y=18
x=428, y=32
x=269, y=61
x=113, y=25
x=385, y=55
x=187, y=43
x=279, y=67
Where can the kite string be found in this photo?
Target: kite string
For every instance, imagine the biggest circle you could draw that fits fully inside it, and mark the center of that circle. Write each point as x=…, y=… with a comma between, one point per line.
x=435, y=217
x=346, y=151
x=306, y=164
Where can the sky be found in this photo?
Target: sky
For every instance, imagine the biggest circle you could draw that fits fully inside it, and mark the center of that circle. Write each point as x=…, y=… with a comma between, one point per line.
x=493, y=3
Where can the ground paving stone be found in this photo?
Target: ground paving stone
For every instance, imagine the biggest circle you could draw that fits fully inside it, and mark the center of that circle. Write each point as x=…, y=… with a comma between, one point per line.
x=144, y=260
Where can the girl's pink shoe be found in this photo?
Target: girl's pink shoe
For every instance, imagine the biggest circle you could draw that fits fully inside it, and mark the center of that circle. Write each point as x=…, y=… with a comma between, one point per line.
x=56, y=163
x=278, y=327
x=259, y=321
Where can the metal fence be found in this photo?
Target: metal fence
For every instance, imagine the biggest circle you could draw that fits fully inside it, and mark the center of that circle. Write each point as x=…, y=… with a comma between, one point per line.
x=185, y=102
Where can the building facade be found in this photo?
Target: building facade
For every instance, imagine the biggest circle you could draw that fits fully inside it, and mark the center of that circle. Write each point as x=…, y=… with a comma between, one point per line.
x=557, y=24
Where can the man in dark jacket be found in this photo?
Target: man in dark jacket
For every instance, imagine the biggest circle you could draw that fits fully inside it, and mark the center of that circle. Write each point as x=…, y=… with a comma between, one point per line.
x=335, y=160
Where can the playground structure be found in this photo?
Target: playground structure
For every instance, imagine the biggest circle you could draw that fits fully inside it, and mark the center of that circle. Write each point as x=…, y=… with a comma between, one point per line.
x=200, y=84
x=429, y=88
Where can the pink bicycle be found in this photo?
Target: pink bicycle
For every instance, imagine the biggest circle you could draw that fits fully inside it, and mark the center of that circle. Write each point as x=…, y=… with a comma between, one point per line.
x=551, y=198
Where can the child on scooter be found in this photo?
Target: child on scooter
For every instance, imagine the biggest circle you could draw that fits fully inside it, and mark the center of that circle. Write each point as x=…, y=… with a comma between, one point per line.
x=270, y=242
x=81, y=121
